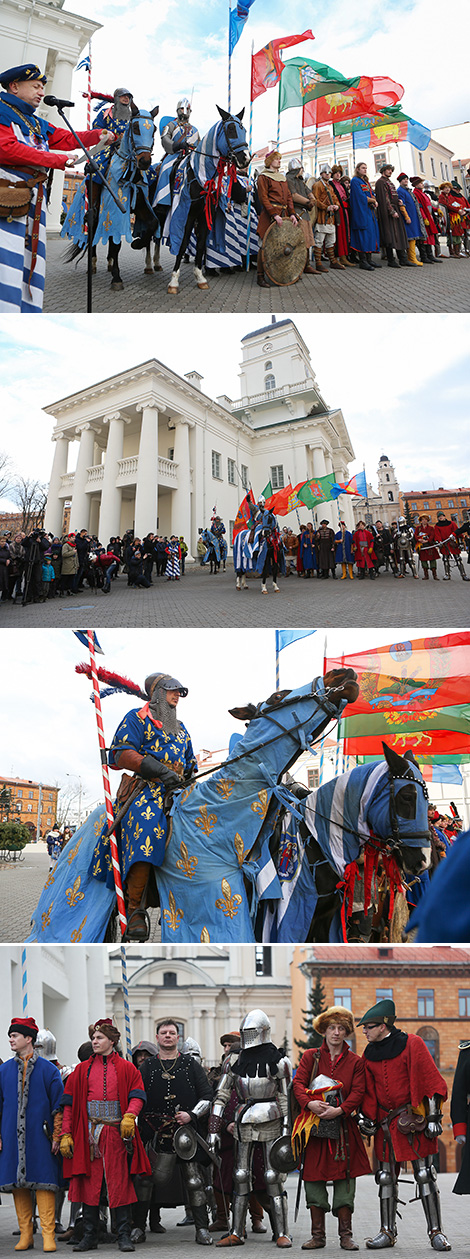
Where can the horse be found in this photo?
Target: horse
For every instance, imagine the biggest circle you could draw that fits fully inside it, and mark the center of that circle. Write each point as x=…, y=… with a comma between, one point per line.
x=213, y=554
x=217, y=863
x=259, y=549
x=198, y=201
x=127, y=175
x=341, y=854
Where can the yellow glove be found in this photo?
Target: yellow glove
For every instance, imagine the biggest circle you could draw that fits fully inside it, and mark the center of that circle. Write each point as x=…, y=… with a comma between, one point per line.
x=127, y=1127
x=66, y=1145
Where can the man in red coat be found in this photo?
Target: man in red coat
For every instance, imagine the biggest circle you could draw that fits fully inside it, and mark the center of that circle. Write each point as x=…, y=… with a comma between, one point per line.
x=425, y=545
x=102, y=1100
x=329, y=1087
x=402, y=1106
x=445, y=533
x=363, y=548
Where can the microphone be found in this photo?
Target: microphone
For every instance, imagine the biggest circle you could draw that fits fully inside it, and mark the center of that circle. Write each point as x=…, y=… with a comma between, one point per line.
x=56, y=100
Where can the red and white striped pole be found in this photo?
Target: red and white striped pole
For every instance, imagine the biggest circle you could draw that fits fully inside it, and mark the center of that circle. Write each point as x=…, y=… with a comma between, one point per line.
x=88, y=104
x=107, y=786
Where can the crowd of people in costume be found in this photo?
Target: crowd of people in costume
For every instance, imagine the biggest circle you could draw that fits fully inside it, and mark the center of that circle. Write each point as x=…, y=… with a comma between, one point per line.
x=129, y=1136
x=38, y=566
x=370, y=548
x=347, y=221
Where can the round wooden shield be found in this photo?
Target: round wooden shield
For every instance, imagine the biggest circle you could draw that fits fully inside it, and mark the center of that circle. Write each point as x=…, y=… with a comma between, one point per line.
x=284, y=252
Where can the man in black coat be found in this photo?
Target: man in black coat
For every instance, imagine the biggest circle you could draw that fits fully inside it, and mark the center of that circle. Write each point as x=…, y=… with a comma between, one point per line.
x=460, y=1115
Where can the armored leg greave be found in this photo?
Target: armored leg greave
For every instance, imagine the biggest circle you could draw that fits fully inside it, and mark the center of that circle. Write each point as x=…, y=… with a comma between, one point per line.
x=277, y=1195
x=425, y=1176
x=388, y=1210
x=194, y=1185
x=242, y=1187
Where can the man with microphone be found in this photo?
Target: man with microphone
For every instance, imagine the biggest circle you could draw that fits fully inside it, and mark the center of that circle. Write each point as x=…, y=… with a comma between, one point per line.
x=26, y=163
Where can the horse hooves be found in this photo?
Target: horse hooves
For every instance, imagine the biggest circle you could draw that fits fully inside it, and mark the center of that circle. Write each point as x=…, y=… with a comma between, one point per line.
x=157, y=267
x=148, y=270
x=93, y=268
x=110, y=266
x=138, y=243
x=203, y=285
x=173, y=290
x=117, y=285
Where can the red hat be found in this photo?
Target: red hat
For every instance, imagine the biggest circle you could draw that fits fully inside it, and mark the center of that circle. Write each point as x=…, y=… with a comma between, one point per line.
x=107, y=1028
x=28, y=1027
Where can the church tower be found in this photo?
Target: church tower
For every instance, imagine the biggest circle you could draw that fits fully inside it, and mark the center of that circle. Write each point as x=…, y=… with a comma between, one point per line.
x=275, y=357
x=389, y=490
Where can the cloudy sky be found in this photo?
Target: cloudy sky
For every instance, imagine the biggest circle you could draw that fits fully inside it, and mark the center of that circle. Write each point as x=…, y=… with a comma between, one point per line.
x=49, y=730
x=402, y=380
x=176, y=47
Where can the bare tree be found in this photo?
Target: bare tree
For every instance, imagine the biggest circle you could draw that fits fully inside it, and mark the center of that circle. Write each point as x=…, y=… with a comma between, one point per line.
x=6, y=469
x=31, y=498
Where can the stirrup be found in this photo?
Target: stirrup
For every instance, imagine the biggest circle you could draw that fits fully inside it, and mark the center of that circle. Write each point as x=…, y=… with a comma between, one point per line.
x=139, y=939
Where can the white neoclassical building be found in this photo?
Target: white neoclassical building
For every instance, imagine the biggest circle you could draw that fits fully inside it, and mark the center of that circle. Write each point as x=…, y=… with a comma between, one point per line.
x=63, y=987
x=155, y=453
x=43, y=32
x=206, y=991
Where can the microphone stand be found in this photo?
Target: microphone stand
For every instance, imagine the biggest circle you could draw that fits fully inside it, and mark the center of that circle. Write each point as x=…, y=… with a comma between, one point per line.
x=92, y=168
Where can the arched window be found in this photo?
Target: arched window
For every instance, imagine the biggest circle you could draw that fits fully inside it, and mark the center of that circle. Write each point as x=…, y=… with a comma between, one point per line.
x=170, y=979
x=269, y=382
x=387, y=478
x=431, y=1040
x=268, y=365
x=390, y=496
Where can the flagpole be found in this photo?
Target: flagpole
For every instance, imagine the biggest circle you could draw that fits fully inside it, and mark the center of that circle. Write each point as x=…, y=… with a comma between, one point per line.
x=316, y=149
x=125, y=993
x=277, y=658
x=229, y=59
x=107, y=787
x=88, y=104
x=278, y=133
x=250, y=140
x=302, y=140
x=24, y=984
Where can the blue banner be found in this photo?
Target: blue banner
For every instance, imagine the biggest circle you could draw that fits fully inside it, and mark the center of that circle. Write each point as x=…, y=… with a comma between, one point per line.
x=238, y=17
x=284, y=638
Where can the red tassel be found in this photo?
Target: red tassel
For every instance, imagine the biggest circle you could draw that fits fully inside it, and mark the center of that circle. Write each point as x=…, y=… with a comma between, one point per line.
x=112, y=679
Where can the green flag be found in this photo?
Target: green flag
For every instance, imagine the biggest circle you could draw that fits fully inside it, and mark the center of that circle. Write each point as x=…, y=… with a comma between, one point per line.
x=393, y=113
x=303, y=81
x=317, y=491
x=268, y=490
x=392, y=722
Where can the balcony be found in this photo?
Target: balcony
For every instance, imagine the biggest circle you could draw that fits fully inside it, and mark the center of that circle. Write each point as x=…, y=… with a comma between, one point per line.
x=127, y=475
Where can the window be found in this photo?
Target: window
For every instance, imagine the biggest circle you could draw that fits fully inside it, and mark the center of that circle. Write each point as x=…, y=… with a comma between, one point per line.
x=446, y=170
x=277, y=477
x=171, y=453
x=268, y=365
x=244, y=472
x=29, y=808
x=342, y=996
x=263, y=960
x=231, y=526
x=379, y=159
x=19, y=794
x=450, y=502
x=464, y=1003
x=49, y=808
x=463, y=502
x=50, y=797
x=425, y=1002
x=269, y=383
x=414, y=506
x=31, y=793
x=421, y=163
x=344, y=163
x=431, y=1040
x=426, y=506
x=387, y=478
x=433, y=168
x=438, y=503
x=170, y=979
x=216, y=462
x=231, y=471
x=390, y=496
x=313, y=779
x=384, y=994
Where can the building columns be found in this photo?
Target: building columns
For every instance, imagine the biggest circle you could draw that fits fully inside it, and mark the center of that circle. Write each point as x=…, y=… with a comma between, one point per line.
x=61, y=87
x=55, y=506
x=146, y=498
x=181, y=497
x=80, y=510
x=111, y=494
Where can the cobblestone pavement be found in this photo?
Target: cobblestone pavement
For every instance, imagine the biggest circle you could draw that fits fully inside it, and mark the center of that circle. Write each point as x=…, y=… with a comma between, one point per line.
x=388, y=290
x=412, y=1236
x=200, y=601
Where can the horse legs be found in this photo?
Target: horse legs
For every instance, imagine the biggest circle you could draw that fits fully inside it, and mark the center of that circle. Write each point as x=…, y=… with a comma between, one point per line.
x=241, y=582
x=201, y=238
x=192, y=221
x=93, y=260
x=116, y=281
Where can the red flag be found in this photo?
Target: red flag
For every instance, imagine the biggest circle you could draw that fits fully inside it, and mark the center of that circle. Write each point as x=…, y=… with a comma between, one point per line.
x=427, y=742
x=366, y=97
x=243, y=513
x=266, y=65
x=414, y=676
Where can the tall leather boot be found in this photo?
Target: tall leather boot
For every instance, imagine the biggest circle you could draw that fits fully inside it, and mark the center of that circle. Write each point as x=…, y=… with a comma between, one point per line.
x=318, y=1239
x=429, y=252
x=334, y=261
x=317, y=253
x=344, y=571
x=45, y=1199
x=137, y=877
x=345, y=1229
x=402, y=256
x=91, y=1223
x=260, y=278
x=123, y=1220
x=221, y=1223
x=350, y=571
x=24, y=1215
x=435, y=576
x=391, y=260
x=412, y=254
x=425, y=576
x=364, y=265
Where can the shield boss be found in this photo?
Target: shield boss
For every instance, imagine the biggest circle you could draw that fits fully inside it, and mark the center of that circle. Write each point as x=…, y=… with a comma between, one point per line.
x=284, y=252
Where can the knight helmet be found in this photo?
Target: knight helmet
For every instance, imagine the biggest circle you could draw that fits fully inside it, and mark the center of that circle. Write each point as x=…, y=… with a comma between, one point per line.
x=255, y=1029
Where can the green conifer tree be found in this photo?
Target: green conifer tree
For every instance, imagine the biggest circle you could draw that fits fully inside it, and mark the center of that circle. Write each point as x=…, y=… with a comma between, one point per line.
x=317, y=1004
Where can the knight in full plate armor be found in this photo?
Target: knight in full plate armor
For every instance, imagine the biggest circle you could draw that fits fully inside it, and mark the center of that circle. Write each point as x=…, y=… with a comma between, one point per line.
x=404, y=548
x=115, y=117
x=179, y=135
x=402, y=1106
x=445, y=533
x=260, y=1075
x=178, y=1098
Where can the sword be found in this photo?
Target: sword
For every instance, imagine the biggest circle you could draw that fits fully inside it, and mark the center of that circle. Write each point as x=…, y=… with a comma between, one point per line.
x=217, y=1162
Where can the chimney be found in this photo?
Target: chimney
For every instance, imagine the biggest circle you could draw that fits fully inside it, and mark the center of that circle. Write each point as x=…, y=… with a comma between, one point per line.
x=194, y=378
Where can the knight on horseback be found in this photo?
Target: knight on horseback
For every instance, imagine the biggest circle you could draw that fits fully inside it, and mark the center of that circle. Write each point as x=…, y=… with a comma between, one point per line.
x=115, y=117
x=179, y=135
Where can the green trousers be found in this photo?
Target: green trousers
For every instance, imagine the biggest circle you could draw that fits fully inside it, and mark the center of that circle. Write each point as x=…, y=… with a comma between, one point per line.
x=316, y=1194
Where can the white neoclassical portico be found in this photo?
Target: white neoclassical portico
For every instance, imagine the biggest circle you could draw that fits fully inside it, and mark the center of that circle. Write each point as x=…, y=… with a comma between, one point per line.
x=154, y=453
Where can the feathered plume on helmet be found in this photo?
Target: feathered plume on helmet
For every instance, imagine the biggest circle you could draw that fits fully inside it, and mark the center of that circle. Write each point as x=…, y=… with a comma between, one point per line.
x=114, y=682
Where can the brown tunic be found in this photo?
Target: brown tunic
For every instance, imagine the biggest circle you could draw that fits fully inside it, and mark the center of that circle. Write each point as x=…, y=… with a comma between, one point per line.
x=275, y=199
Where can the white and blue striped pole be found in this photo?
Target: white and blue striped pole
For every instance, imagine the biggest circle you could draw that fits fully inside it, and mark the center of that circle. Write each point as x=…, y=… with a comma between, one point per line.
x=229, y=59
x=250, y=142
x=125, y=993
x=322, y=762
x=24, y=983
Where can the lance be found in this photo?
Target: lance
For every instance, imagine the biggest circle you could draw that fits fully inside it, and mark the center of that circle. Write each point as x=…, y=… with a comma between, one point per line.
x=106, y=785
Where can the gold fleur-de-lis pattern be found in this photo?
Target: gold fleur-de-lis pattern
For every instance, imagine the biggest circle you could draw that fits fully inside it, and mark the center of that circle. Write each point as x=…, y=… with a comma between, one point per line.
x=261, y=804
x=205, y=937
x=240, y=849
x=73, y=851
x=173, y=916
x=49, y=881
x=73, y=894
x=206, y=821
x=77, y=934
x=227, y=903
x=225, y=787
x=146, y=848
x=186, y=863
x=46, y=916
